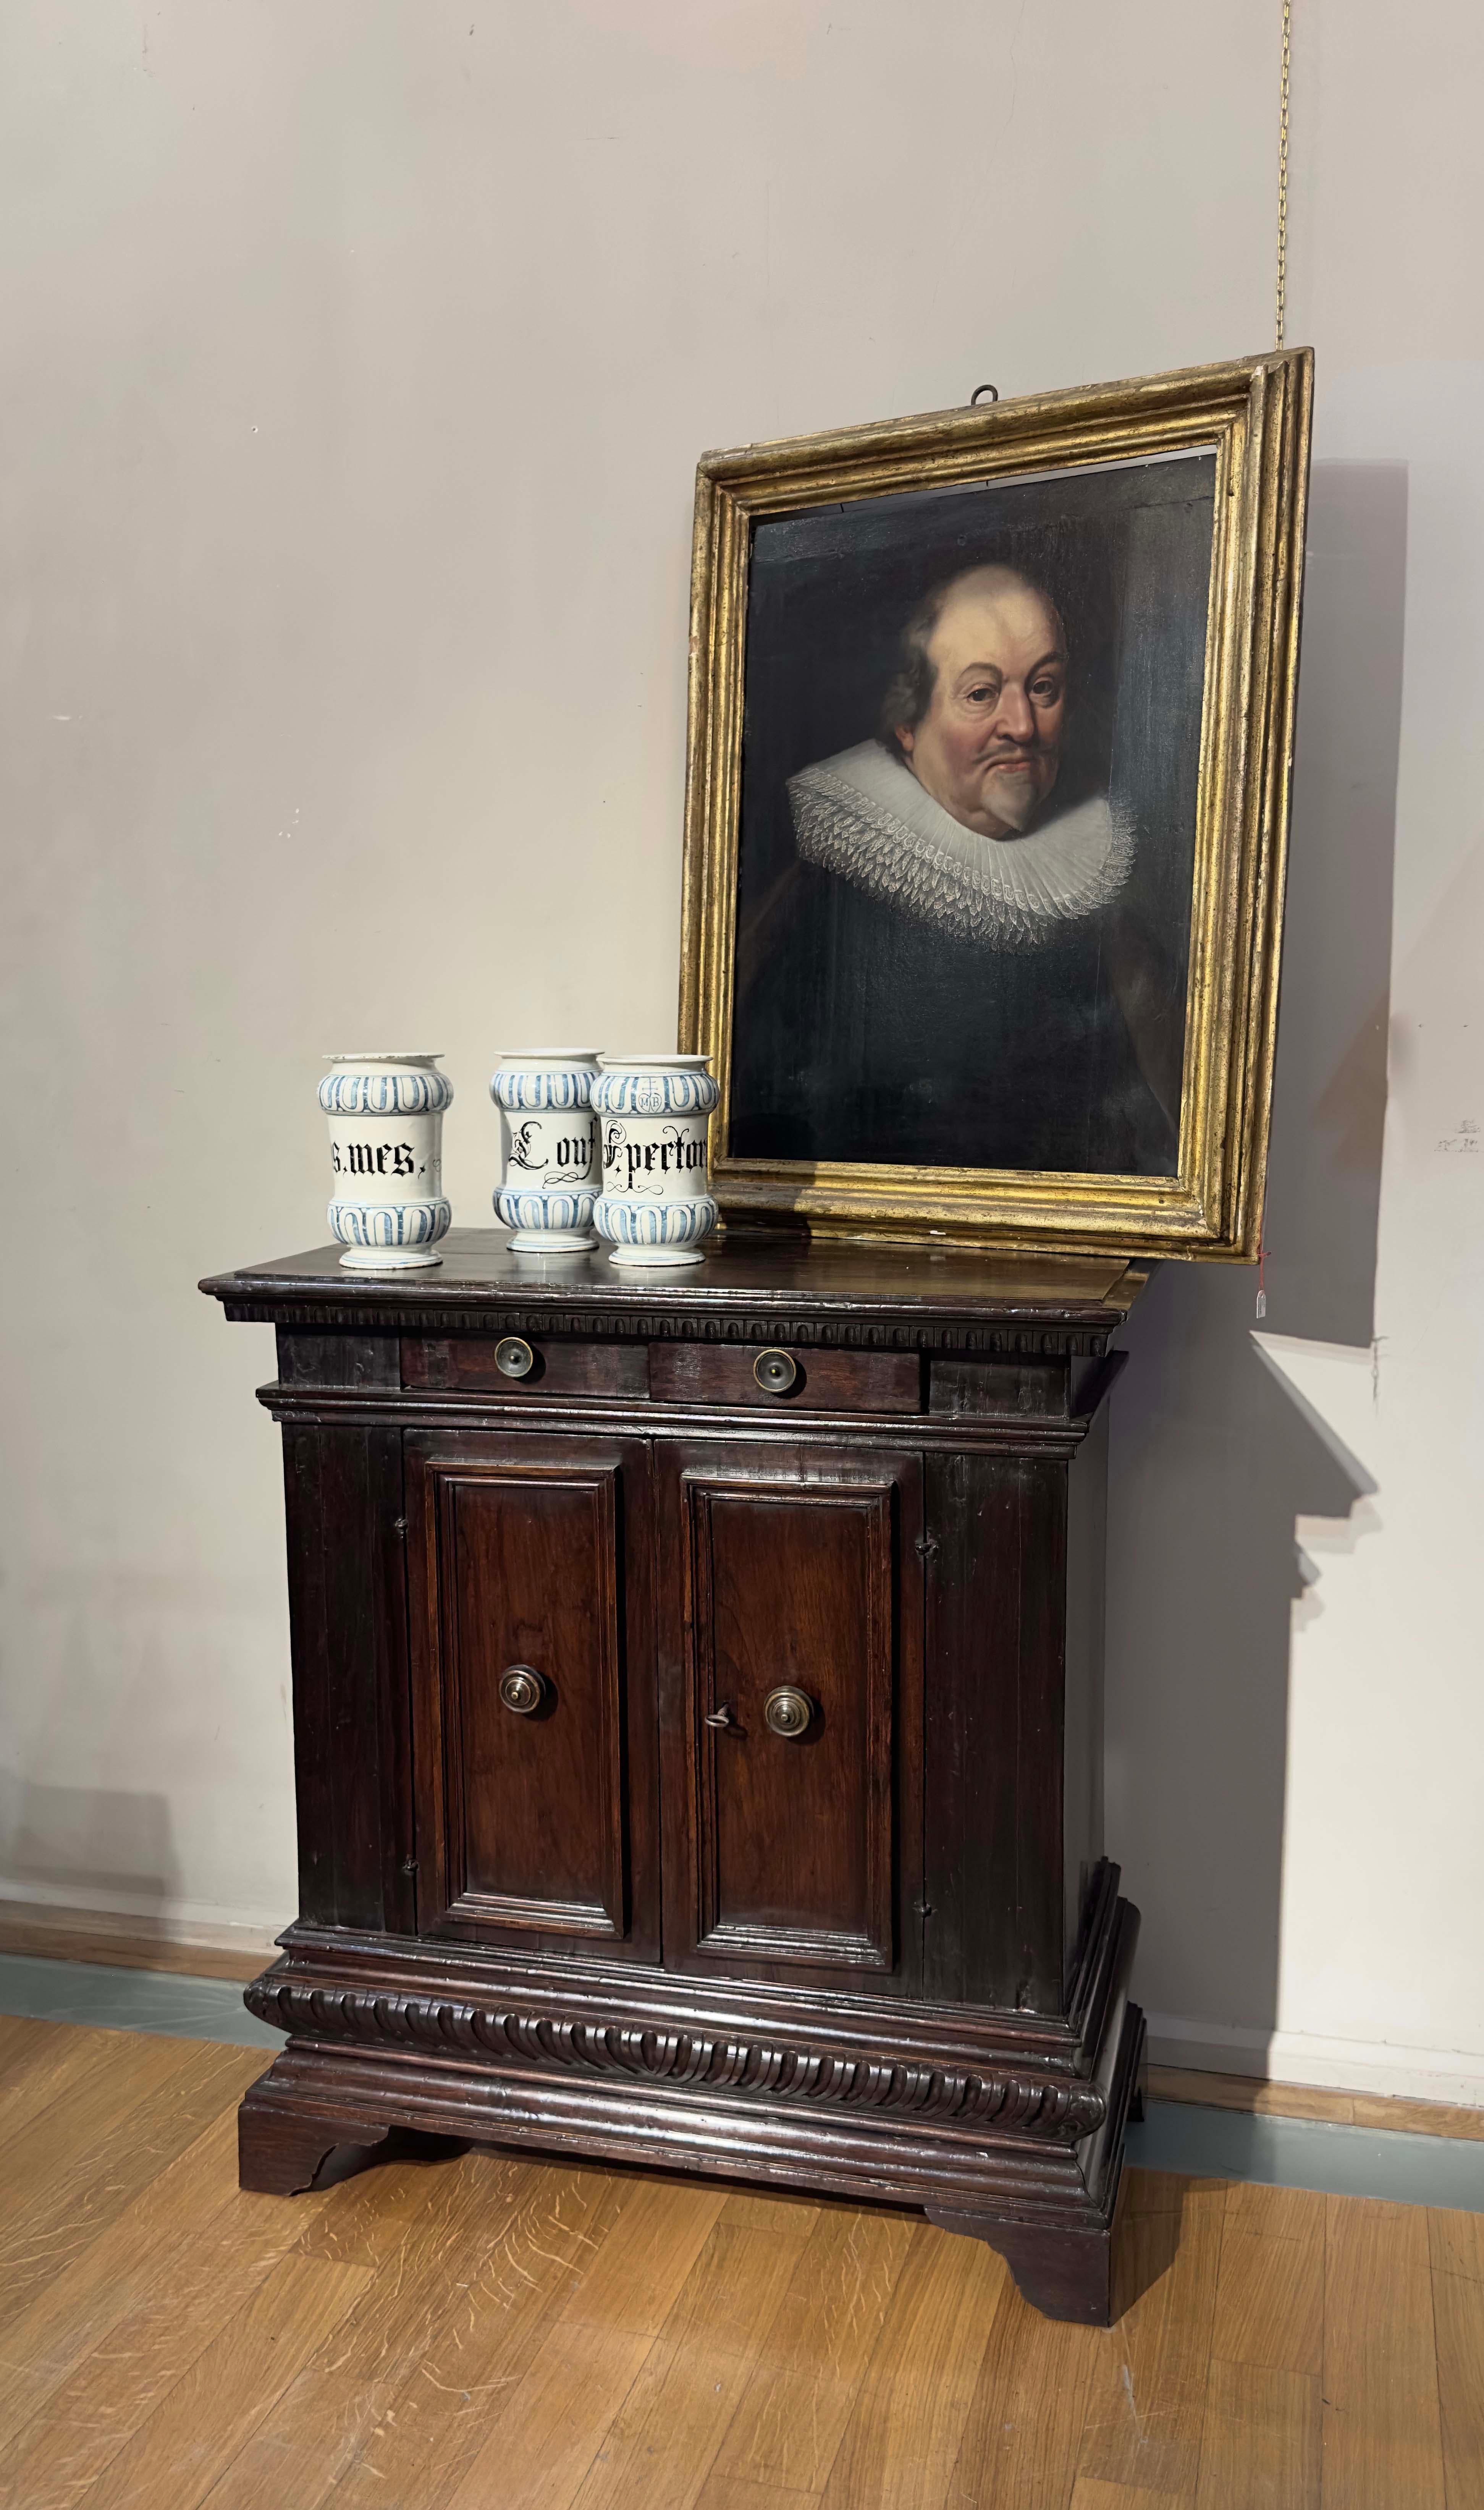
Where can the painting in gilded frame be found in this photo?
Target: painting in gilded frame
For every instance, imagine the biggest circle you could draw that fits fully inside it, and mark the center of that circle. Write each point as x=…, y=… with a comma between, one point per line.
x=990, y=738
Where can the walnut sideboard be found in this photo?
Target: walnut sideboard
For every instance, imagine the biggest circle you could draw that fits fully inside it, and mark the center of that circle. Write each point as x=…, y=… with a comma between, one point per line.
x=697, y=1726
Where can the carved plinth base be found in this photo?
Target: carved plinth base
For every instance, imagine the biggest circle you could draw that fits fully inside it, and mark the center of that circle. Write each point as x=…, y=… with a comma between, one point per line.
x=1008, y=2130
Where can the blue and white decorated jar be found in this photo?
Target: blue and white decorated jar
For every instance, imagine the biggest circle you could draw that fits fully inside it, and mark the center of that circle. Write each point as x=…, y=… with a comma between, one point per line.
x=386, y=1154
x=657, y=1202
x=548, y=1139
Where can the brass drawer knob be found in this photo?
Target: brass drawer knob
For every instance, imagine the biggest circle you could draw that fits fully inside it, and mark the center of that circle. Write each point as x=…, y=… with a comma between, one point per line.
x=775, y=1371
x=523, y=1689
x=515, y=1357
x=788, y=1712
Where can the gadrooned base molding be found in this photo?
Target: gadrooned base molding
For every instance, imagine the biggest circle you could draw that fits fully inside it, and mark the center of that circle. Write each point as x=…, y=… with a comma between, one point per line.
x=1007, y=2128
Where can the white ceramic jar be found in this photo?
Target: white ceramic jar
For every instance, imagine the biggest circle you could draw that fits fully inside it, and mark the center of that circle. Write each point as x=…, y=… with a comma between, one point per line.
x=385, y=1156
x=550, y=1167
x=653, y=1112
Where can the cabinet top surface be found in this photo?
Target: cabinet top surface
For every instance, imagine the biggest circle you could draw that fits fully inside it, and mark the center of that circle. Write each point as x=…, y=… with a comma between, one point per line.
x=480, y=1279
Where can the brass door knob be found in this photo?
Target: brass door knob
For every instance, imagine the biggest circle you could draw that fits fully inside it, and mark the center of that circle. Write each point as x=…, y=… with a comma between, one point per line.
x=775, y=1371
x=515, y=1357
x=788, y=1712
x=523, y=1689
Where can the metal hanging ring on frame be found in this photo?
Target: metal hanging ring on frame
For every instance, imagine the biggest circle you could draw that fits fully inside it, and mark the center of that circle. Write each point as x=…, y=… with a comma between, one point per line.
x=993, y=391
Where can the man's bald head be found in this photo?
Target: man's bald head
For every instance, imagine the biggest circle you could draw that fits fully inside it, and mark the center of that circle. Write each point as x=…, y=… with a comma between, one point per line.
x=978, y=706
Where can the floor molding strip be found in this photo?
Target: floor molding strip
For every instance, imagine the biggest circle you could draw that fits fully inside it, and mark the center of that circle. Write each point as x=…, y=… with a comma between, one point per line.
x=1192, y=2142
x=106, y=1999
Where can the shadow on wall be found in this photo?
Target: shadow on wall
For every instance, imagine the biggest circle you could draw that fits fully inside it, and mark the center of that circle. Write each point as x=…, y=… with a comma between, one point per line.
x=1212, y=1457
x=86, y=1846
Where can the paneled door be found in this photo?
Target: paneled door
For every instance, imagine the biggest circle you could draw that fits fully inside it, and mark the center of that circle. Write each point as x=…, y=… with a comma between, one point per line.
x=532, y=1652
x=790, y=1623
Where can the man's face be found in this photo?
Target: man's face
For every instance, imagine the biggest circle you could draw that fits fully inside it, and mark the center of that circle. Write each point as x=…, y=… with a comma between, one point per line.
x=989, y=745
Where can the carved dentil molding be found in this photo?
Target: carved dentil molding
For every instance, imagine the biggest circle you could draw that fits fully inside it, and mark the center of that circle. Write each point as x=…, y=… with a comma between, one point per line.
x=1009, y=1342
x=1054, y=2108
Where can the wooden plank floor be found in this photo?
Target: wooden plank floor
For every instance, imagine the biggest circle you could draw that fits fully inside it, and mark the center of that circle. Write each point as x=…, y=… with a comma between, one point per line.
x=480, y=2331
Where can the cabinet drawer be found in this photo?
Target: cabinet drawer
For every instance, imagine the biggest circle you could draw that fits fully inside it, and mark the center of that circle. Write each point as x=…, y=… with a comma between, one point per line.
x=469, y=1361
x=822, y=1381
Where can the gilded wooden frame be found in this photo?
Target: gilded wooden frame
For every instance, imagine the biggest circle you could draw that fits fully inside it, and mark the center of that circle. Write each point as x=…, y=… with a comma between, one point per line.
x=1255, y=413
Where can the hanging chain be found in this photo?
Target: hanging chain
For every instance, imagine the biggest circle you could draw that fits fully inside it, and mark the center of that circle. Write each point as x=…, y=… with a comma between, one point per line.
x=1280, y=307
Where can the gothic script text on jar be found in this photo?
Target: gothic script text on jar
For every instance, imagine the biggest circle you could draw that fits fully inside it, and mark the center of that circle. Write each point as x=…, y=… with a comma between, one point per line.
x=632, y=1166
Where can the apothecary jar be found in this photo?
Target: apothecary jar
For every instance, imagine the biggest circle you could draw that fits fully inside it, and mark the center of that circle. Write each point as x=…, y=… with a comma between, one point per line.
x=386, y=1156
x=653, y=1111
x=549, y=1170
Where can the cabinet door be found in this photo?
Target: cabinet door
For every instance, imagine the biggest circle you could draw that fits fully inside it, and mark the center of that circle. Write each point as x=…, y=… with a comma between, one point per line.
x=533, y=1694
x=791, y=1572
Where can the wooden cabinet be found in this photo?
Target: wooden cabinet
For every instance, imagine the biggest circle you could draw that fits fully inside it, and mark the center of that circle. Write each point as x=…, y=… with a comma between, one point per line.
x=697, y=1737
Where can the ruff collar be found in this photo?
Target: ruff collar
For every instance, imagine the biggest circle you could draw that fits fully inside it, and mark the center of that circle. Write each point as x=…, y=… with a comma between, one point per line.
x=863, y=815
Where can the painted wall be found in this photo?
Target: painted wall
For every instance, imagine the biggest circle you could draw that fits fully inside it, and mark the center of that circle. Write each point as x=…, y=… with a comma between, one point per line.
x=356, y=362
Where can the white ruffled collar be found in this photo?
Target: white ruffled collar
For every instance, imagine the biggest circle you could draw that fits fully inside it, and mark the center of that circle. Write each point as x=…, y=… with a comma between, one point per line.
x=864, y=816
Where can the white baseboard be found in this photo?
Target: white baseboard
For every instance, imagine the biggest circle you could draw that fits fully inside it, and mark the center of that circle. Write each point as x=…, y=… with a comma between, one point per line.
x=177, y=1922
x=1453, y=2075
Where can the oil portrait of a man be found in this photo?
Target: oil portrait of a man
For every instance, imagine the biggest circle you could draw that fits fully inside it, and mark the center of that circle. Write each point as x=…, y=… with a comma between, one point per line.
x=963, y=928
